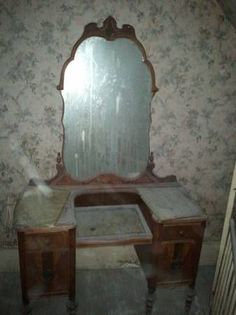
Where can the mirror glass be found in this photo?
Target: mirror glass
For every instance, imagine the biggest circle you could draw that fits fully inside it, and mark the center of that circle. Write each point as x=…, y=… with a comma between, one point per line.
x=107, y=95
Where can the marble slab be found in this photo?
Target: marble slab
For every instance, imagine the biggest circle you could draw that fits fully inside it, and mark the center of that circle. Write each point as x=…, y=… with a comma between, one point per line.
x=168, y=203
x=42, y=206
x=39, y=207
x=111, y=222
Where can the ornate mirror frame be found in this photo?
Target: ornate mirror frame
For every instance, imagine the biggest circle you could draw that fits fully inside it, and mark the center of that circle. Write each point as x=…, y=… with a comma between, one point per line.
x=110, y=32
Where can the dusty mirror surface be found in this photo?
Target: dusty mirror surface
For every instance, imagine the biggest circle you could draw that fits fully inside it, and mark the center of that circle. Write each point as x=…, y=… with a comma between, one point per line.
x=107, y=94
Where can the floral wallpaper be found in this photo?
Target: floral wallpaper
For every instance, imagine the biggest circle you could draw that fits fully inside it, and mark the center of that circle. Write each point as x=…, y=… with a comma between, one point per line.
x=192, y=48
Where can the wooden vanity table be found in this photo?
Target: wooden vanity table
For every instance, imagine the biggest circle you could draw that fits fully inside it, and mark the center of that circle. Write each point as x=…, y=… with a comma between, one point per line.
x=164, y=225
x=105, y=185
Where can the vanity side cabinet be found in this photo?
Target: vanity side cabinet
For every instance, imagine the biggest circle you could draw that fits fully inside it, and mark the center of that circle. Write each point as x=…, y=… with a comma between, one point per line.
x=176, y=251
x=47, y=262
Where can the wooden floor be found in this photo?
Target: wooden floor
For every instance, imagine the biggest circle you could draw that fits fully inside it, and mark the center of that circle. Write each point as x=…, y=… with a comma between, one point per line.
x=109, y=292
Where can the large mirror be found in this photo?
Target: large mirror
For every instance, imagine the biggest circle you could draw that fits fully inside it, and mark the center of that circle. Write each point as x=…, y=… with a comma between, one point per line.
x=107, y=94
x=107, y=85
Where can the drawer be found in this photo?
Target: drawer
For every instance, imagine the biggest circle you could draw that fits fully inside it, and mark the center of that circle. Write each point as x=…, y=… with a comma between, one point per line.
x=181, y=232
x=46, y=241
x=47, y=272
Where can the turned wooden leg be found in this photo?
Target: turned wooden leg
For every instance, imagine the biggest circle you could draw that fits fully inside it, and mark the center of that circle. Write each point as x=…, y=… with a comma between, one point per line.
x=150, y=295
x=150, y=301
x=148, y=262
x=189, y=299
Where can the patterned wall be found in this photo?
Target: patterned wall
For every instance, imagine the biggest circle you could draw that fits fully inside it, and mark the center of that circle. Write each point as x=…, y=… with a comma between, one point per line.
x=192, y=48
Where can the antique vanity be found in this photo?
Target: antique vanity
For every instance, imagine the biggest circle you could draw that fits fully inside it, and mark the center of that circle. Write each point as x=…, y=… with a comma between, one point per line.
x=105, y=191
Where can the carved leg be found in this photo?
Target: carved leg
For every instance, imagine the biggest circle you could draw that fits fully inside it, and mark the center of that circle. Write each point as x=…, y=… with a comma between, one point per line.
x=150, y=295
x=147, y=260
x=71, y=307
x=189, y=299
x=150, y=301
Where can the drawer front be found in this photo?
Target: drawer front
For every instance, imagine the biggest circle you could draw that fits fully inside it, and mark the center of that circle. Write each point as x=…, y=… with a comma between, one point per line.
x=47, y=272
x=181, y=232
x=46, y=241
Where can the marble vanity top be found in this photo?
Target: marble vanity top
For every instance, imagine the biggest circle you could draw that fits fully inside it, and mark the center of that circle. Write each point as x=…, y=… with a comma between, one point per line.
x=39, y=206
x=168, y=203
x=43, y=206
x=111, y=222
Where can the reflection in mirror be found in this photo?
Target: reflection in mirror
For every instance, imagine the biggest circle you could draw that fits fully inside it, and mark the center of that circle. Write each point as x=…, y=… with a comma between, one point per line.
x=107, y=94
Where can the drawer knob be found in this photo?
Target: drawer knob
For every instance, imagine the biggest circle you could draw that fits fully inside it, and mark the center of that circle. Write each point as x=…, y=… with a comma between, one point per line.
x=181, y=232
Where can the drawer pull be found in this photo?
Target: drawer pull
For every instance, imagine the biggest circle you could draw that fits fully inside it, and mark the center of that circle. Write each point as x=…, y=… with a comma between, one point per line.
x=181, y=232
